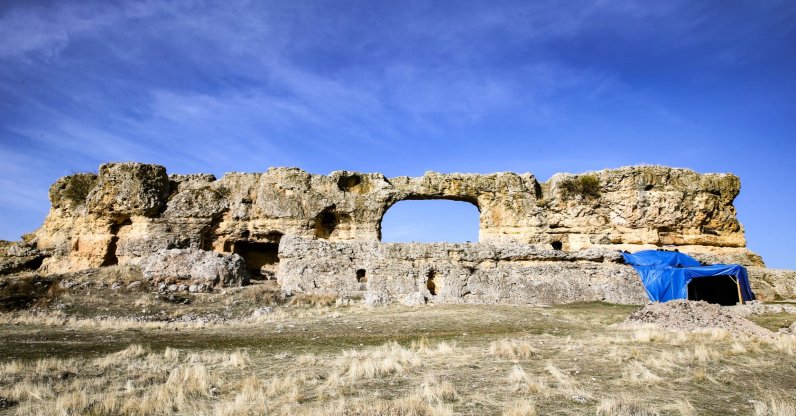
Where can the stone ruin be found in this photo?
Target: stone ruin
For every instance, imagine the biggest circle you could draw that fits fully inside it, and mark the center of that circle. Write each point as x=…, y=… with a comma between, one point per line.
x=539, y=242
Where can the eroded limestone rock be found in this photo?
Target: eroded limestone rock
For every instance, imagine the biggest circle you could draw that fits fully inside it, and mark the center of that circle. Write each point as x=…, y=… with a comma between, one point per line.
x=17, y=257
x=129, y=189
x=132, y=209
x=455, y=273
x=198, y=269
x=129, y=212
x=772, y=284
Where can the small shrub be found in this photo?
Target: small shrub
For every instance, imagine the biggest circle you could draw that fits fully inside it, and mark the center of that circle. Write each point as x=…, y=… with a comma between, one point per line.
x=585, y=186
x=222, y=191
x=28, y=238
x=78, y=186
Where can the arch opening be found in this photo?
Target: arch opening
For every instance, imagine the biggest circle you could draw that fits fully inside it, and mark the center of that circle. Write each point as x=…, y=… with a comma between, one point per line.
x=431, y=221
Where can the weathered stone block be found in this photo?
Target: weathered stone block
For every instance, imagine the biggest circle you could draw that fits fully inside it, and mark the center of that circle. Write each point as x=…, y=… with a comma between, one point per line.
x=127, y=189
x=191, y=267
x=455, y=273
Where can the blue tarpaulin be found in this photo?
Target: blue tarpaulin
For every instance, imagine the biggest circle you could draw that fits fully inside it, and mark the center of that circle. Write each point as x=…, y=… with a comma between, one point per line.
x=666, y=274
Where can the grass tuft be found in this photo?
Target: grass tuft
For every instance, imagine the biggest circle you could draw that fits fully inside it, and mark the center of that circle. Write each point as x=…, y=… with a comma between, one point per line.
x=623, y=406
x=436, y=392
x=520, y=408
x=773, y=406
x=513, y=349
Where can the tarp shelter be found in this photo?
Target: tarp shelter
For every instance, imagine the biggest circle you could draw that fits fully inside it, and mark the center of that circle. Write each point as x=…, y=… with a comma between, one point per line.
x=671, y=275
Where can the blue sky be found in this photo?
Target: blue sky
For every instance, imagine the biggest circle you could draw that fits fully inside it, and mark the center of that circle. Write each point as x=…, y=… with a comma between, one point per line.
x=401, y=88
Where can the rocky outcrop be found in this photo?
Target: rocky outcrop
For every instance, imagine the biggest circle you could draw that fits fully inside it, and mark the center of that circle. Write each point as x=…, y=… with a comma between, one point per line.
x=198, y=270
x=772, y=284
x=130, y=211
x=124, y=190
x=17, y=257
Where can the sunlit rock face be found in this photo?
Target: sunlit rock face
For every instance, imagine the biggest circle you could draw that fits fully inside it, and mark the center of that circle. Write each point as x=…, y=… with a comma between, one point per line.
x=131, y=210
x=200, y=270
x=456, y=273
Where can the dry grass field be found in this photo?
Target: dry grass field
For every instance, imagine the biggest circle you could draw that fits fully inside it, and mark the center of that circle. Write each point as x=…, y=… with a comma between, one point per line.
x=77, y=354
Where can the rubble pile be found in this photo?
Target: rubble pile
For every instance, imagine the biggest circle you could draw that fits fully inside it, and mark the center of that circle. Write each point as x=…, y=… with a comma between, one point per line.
x=685, y=315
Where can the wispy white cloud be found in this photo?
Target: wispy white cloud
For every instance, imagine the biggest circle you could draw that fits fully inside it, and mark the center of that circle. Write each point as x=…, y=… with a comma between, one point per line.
x=48, y=29
x=389, y=86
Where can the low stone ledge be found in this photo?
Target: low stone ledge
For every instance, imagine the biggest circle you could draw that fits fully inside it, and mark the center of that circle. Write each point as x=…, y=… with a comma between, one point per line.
x=455, y=273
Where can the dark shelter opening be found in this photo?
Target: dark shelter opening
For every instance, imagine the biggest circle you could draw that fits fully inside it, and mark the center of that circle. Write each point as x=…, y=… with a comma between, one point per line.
x=262, y=259
x=722, y=290
x=431, y=285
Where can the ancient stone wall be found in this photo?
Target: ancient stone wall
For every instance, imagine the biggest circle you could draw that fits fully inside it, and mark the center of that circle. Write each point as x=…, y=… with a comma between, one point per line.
x=129, y=211
x=456, y=273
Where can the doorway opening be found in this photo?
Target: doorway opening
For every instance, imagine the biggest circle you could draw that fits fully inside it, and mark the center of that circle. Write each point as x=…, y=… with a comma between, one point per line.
x=431, y=284
x=262, y=258
x=720, y=290
x=111, y=258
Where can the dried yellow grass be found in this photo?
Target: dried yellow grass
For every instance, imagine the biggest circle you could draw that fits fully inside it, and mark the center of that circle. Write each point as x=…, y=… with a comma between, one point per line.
x=424, y=346
x=238, y=359
x=307, y=359
x=737, y=348
x=773, y=406
x=786, y=344
x=488, y=374
x=520, y=408
x=313, y=299
x=683, y=407
x=522, y=382
x=637, y=373
x=513, y=349
x=388, y=359
x=564, y=384
x=436, y=392
x=406, y=406
x=624, y=406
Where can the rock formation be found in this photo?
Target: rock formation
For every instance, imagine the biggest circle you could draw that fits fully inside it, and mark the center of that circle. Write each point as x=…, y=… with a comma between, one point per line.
x=314, y=232
x=457, y=273
x=194, y=270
